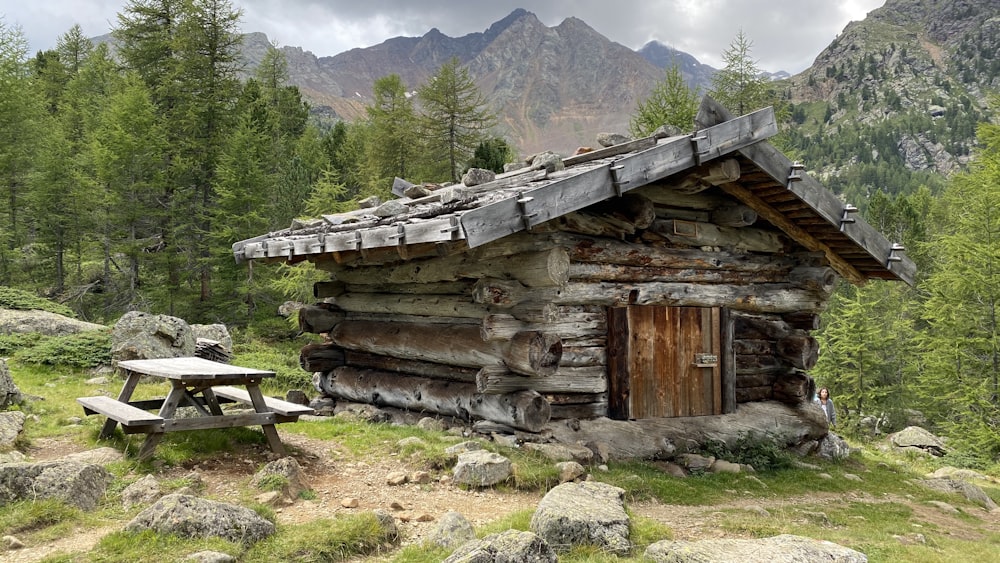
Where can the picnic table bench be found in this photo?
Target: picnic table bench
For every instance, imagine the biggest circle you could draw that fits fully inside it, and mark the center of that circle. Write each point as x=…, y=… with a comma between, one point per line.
x=195, y=382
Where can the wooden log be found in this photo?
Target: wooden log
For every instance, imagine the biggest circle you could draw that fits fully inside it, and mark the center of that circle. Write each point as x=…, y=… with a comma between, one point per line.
x=794, y=389
x=823, y=280
x=324, y=356
x=800, y=350
x=565, y=380
x=693, y=233
x=579, y=271
x=753, y=347
x=683, y=214
x=524, y=410
x=397, y=318
x=659, y=438
x=461, y=345
x=733, y=216
x=502, y=327
x=534, y=269
x=755, y=380
x=762, y=327
x=662, y=193
x=635, y=209
x=320, y=318
x=412, y=367
x=322, y=290
x=581, y=411
x=761, y=298
x=574, y=398
x=436, y=288
x=802, y=321
x=753, y=394
x=500, y=293
x=417, y=305
x=752, y=363
x=584, y=223
x=584, y=356
x=706, y=176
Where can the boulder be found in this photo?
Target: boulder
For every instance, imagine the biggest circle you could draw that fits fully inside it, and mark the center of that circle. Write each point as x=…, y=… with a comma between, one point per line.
x=562, y=452
x=16, y=321
x=10, y=395
x=512, y=545
x=142, y=336
x=480, y=468
x=192, y=517
x=463, y=447
x=210, y=557
x=452, y=531
x=587, y=513
x=143, y=491
x=80, y=484
x=99, y=456
x=215, y=332
x=289, y=308
x=477, y=176
x=949, y=472
x=612, y=139
x=570, y=471
x=777, y=549
x=833, y=447
x=971, y=492
x=11, y=425
x=285, y=471
x=917, y=437
x=548, y=161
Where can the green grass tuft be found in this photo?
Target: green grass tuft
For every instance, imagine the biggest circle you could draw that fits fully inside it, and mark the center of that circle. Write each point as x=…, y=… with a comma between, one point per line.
x=84, y=349
x=11, y=298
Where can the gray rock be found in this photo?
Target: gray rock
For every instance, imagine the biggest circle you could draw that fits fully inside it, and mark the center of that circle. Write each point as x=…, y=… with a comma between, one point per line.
x=141, y=336
x=286, y=469
x=548, y=161
x=777, y=549
x=570, y=471
x=943, y=506
x=388, y=525
x=411, y=442
x=100, y=456
x=324, y=406
x=10, y=395
x=971, y=492
x=390, y=208
x=949, y=472
x=833, y=447
x=143, y=491
x=417, y=191
x=562, y=452
x=512, y=166
x=667, y=130
x=215, y=332
x=370, y=202
x=193, y=517
x=601, y=451
x=11, y=426
x=694, y=462
x=506, y=547
x=673, y=469
x=612, y=139
x=99, y=380
x=80, y=484
x=289, y=308
x=431, y=423
x=723, y=466
x=477, y=176
x=588, y=513
x=463, y=447
x=452, y=530
x=11, y=542
x=297, y=396
x=210, y=557
x=916, y=437
x=481, y=468
x=42, y=322
x=12, y=456
x=363, y=412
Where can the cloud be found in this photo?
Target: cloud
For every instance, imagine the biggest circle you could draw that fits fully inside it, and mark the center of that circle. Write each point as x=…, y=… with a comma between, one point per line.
x=786, y=34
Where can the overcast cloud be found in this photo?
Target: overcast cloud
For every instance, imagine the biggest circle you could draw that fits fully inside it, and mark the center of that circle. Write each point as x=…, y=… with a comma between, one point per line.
x=786, y=34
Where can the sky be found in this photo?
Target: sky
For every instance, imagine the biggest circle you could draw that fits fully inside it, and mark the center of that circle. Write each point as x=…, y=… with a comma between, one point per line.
x=786, y=34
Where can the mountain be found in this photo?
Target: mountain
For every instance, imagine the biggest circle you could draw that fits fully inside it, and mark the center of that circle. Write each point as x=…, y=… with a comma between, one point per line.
x=909, y=84
x=555, y=88
x=694, y=72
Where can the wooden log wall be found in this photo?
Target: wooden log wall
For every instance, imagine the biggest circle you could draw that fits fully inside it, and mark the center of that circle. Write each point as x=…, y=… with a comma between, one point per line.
x=523, y=320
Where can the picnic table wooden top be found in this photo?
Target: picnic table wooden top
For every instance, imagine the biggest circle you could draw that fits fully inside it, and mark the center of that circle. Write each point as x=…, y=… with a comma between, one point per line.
x=190, y=368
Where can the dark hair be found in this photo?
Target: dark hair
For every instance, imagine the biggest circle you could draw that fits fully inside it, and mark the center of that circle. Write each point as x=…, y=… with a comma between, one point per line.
x=820, y=392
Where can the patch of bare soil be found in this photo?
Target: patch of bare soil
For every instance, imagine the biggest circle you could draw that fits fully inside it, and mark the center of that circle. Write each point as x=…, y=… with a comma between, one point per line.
x=335, y=479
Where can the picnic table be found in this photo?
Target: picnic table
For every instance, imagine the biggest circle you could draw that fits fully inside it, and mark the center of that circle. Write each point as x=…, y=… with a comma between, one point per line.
x=195, y=382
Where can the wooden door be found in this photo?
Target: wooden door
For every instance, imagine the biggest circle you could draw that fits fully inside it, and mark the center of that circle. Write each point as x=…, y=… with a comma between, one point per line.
x=664, y=361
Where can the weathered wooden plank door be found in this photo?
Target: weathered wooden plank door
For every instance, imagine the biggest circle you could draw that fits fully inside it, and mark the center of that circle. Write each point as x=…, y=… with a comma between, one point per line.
x=664, y=361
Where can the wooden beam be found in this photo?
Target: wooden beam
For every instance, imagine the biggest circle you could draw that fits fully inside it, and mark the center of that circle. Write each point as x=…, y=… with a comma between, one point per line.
x=764, y=210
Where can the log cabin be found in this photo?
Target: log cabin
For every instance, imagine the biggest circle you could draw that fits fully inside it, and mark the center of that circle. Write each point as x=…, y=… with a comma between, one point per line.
x=670, y=280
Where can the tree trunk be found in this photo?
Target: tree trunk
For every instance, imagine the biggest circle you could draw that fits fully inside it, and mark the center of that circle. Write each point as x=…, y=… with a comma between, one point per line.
x=321, y=357
x=524, y=410
x=411, y=367
x=801, y=351
x=320, y=318
x=531, y=353
x=503, y=327
x=693, y=233
x=493, y=380
x=794, y=388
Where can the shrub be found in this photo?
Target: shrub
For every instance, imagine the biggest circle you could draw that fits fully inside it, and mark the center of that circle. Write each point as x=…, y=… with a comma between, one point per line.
x=761, y=453
x=11, y=298
x=10, y=343
x=85, y=349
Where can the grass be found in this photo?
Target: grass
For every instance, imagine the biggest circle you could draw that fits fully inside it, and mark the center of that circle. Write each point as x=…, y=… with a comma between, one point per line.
x=870, y=515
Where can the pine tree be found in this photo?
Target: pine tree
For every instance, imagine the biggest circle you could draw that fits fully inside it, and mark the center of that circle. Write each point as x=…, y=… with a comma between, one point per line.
x=391, y=149
x=670, y=103
x=454, y=120
x=739, y=85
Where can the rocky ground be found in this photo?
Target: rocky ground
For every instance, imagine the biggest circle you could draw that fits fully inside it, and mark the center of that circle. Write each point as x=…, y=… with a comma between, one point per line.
x=336, y=480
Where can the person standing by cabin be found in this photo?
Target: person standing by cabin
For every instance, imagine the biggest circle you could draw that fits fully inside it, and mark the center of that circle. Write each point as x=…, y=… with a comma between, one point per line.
x=826, y=403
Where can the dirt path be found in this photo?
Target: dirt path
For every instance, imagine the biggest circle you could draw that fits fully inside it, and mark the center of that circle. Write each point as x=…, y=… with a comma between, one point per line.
x=417, y=507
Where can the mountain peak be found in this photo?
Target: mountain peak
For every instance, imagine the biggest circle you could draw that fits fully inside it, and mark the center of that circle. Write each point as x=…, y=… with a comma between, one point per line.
x=500, y=26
